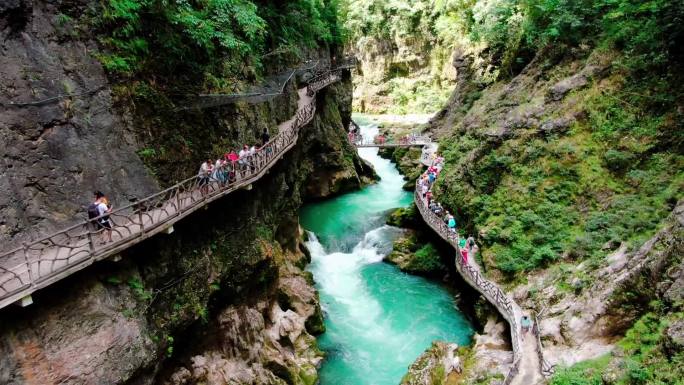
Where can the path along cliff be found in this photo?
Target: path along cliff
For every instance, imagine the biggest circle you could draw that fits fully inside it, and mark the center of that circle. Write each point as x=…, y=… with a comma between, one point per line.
x=223, y=298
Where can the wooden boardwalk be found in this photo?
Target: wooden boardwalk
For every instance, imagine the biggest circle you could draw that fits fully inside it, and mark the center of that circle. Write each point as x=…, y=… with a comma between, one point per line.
x=40, y=263
x=529, y=366
x=528, y=361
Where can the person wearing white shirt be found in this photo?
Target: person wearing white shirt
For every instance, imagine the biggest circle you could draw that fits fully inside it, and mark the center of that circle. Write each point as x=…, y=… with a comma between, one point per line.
x=244, y=153
x=204, y=175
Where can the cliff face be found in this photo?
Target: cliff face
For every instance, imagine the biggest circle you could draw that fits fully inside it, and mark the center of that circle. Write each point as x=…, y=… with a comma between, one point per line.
x=57, y=151
x=401, y=75
x=574, y=192
x=224, y=298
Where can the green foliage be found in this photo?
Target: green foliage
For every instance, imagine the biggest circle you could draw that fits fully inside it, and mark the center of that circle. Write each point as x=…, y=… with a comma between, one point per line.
x=425, y=27
x=646, y=31
x=139, y=289
x=264, y=233
x=169, y=346
x=426, y=259
x=584, y=373
x=212, y=36
x=147, y=153
x=612, y=179
x=303, y=22
x=404, y=217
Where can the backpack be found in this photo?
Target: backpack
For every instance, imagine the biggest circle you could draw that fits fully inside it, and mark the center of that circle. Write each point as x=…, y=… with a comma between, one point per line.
x=93, y=212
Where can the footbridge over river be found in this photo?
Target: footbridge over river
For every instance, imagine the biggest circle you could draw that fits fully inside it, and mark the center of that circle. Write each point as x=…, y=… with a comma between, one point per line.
x=529, y=367
x=40, y=263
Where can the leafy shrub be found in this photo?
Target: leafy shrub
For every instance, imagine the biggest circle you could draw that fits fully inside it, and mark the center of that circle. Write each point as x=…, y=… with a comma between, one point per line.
x=426, y=259
x=618, y=160
x=646, y=31
x=220, y=35
x=584, y=373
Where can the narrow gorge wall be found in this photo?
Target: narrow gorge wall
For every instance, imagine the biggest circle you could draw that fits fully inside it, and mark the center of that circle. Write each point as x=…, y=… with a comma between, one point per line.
x=405, y=52
x=224, y=298
x=567, y=176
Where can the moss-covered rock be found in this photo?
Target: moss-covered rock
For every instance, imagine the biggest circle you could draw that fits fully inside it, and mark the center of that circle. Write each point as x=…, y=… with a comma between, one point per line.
x=405, y=217
x=414, y=257
x=440, y=364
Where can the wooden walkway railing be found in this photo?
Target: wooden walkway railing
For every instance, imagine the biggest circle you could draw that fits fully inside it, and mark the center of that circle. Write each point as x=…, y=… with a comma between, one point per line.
x=416, y=142
x=40, y=263
x=533, y=353
x=471, y=274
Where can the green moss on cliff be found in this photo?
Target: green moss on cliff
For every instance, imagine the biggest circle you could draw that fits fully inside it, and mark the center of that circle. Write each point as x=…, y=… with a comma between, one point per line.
x=406, y=217
x=215, y=42
x=415, y=256
x=610, y=176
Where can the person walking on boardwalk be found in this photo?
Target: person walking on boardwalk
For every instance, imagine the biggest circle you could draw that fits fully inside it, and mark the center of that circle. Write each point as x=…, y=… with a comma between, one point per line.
x=462, y=246
x=265, y=137
x=451, y=223
x=98, y=209
x=220, y=173
x=204, y=176
x=243, y=154
x=526, y=324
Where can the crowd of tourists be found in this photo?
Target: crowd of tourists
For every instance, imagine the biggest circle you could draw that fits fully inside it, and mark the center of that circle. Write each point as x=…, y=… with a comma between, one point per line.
x=425, y=184
x=222, y=171
x=225, y=168
x=466, y=246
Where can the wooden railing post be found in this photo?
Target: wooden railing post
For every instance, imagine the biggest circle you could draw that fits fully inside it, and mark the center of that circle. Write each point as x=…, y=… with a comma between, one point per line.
x=91, y=244
x=28, y=262
x=142, y=225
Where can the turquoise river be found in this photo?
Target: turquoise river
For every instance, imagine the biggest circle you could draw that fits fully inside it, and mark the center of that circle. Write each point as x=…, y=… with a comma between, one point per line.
x=378, y=319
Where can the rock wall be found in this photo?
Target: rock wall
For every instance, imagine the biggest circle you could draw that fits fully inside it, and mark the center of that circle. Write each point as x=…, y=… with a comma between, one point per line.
x=57, y=151
x=224, y=298
x=586, y=324
x=502, y=139
x=400, y=63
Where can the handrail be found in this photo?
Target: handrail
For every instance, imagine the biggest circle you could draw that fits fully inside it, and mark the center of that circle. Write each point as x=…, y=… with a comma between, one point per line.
x=319, y=69
x=547, y=368
x=492, y=292
x=417, y=141
x=40, y=263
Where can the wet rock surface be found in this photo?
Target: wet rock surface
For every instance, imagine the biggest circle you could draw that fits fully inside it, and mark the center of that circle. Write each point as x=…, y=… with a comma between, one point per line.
x=577, y=327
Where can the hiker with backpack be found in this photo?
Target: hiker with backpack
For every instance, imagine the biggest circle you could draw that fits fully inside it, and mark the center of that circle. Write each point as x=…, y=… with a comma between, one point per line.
x=97, y=212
